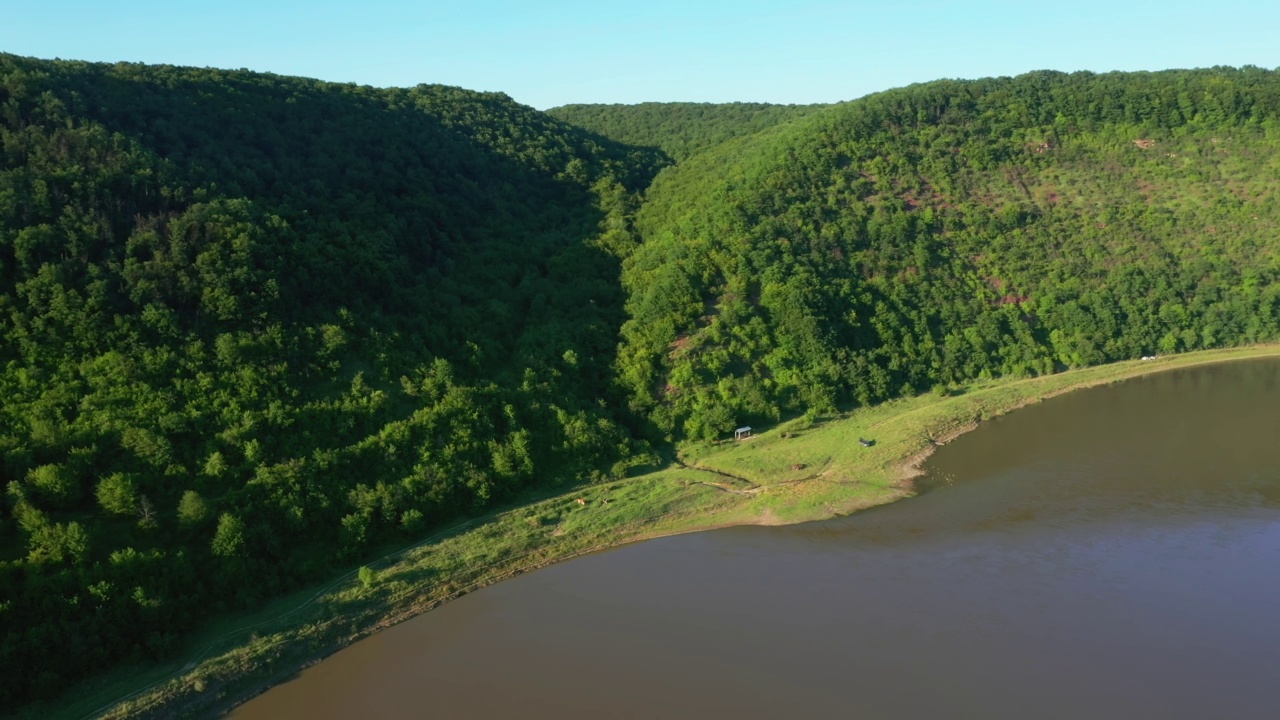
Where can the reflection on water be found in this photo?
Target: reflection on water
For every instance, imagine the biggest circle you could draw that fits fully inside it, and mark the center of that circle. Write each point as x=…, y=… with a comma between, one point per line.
x=1107, y=553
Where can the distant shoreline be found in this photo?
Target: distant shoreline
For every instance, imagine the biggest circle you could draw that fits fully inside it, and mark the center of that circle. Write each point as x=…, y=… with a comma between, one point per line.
x=798, y=471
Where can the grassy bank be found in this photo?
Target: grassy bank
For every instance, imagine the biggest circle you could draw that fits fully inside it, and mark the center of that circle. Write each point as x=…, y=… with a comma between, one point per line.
x=797, y=471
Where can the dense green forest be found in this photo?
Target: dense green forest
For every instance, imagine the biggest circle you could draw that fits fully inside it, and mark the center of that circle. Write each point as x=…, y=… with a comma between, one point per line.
x=679, y=129
x=254, y=327
x=946, y=231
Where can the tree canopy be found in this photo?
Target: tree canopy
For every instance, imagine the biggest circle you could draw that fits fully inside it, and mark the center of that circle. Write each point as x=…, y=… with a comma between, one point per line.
x=254, y=327
x=955, y=230
x=680, y=129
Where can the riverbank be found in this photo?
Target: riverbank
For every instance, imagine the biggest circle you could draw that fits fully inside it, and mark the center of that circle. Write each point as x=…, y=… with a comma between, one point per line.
x=797, y=471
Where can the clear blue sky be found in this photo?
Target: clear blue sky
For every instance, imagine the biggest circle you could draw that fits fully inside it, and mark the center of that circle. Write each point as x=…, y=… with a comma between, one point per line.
x=551, y=53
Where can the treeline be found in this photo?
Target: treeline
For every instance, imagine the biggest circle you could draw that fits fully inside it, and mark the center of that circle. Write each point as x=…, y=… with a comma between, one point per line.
x=926, y=236
x=253, y=326
x=679, y=129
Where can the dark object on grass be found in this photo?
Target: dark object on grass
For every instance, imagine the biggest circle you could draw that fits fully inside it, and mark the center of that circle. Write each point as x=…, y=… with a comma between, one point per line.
x=866, y=443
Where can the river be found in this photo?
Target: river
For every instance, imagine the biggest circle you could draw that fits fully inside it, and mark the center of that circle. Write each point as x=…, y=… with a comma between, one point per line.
x=1113, y=552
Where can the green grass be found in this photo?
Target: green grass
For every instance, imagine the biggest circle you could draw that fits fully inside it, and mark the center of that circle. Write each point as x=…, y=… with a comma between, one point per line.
x=798, y=471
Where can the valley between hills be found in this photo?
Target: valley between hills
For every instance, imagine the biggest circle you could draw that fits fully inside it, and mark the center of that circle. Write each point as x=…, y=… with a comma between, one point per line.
x=258, y=331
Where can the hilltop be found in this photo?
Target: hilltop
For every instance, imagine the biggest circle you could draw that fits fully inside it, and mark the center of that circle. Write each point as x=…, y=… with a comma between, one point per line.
x=679, y=129
x=921, y=237
x=254, y=326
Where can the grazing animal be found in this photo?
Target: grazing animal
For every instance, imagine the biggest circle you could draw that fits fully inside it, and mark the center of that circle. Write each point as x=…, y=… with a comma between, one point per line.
x=866, y=443
x=581, y=501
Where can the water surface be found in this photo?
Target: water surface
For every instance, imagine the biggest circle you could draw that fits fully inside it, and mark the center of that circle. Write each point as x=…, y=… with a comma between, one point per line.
x=1113, y=552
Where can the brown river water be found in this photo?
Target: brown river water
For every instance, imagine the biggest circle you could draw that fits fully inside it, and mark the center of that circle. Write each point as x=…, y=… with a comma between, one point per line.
x=1113, y=552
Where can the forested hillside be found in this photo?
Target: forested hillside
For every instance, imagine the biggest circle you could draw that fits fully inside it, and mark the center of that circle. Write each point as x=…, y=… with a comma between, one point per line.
x=253, y=326
x=954, y=230
x=679, y=129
